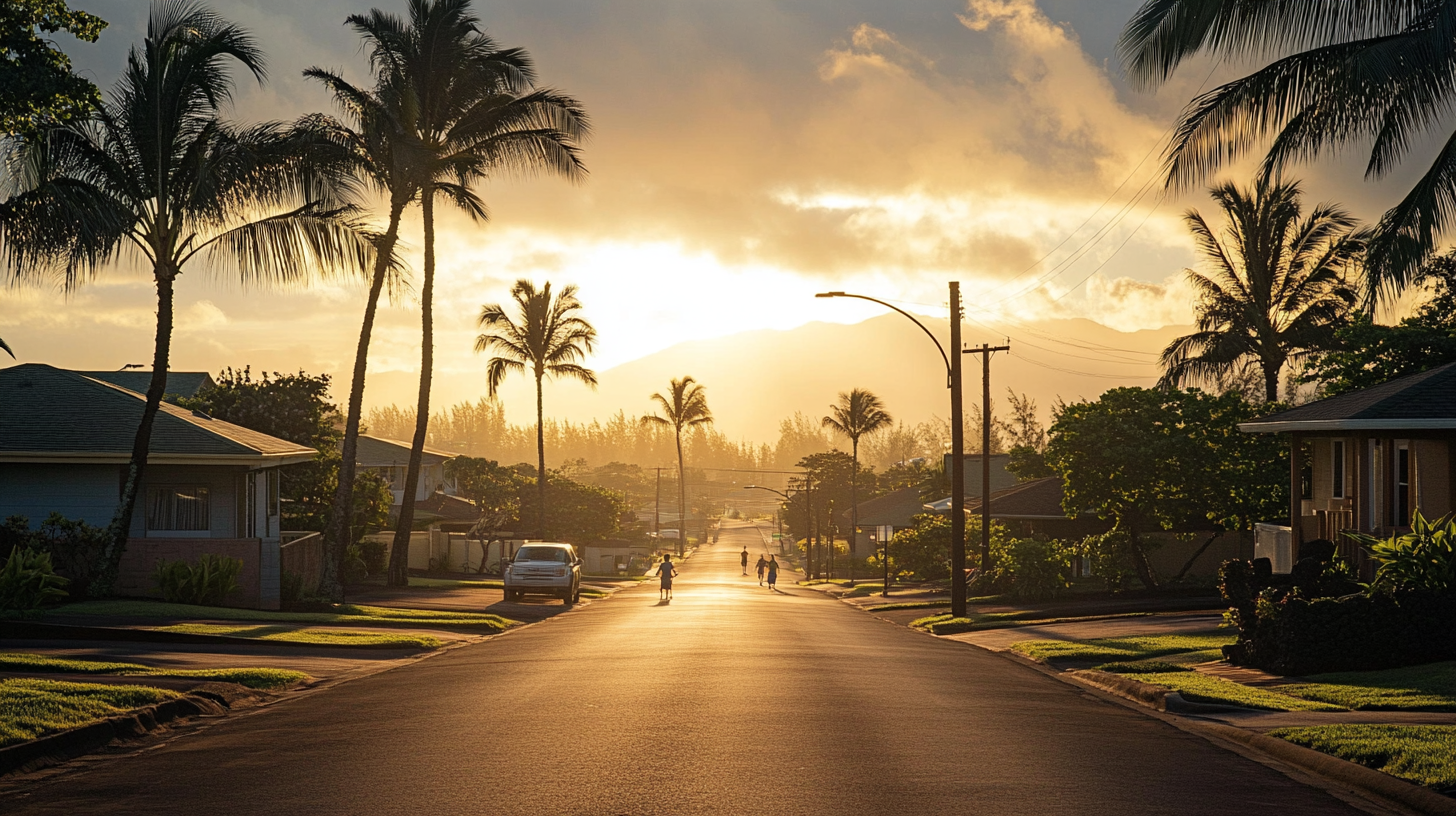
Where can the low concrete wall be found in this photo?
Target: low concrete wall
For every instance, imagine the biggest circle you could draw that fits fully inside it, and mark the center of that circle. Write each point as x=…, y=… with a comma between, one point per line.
x=304, y=557
x=139, y=563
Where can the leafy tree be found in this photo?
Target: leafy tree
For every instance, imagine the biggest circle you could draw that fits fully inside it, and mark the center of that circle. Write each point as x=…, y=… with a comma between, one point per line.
x=1024, y=428
x=1027, y=463
x=546, y=335
x=1335, y=76
x=580, y=513
x=496, y=492
x=296, y=407
x=37, y=86
x=473, y=112
x=1367, y=353
x=921, y=552
x=156, y=171
x=686, y=406
x=858, y=413
x=1275, y=292
x=1151, y=459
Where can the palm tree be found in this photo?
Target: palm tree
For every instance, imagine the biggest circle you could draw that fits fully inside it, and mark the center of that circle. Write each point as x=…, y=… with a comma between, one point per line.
x=549, y=337
x=6, y=348
x=1336, y=76
x=380, y=157
x=686, y=407
x=858, y=413
x=473, y=111
x=155, y=174
x=1276, y=289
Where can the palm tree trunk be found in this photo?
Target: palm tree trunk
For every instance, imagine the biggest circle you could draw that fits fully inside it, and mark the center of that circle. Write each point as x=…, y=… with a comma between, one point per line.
x=853, y=504
x=540, y=462
x=342, y=512
x=120, y=529
x=399, y=555
x=682, y=499
x=1271, y=383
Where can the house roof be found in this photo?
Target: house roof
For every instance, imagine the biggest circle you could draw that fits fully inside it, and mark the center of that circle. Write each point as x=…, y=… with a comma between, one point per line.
x=1028, y=501
x=179, y=383
x=890, y=510
x=1416, y=402
x=441, y=507
x=54, y=415
x=376, y=451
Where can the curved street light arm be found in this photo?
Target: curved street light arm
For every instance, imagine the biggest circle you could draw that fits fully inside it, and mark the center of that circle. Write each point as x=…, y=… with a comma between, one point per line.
x=933, y=339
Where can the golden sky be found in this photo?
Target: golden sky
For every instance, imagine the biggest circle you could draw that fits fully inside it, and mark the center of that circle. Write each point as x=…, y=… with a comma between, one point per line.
x=746, y=155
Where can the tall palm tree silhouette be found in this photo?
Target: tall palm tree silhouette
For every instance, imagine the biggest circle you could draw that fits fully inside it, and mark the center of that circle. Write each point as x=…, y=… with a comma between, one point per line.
x=686, y=406
x=155, y=173
x=549, y=337
x=1275, y=291
x=474, y=111
x=373, y=145
x=858, y=413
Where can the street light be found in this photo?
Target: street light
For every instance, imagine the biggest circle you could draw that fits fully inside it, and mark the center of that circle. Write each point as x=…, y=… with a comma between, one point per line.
x=957, y=442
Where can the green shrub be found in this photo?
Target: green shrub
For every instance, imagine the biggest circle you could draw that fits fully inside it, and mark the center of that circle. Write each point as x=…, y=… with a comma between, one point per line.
x=1029, y=568
x=290, y=587
x=28, y=581
x=374, y=554
x=77, y=549
x=205, y=583
x=1423, y=559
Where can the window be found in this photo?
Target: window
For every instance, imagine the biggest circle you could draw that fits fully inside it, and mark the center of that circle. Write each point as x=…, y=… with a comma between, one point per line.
x=1337, y=468
x=1402, y=486
x=178, y=508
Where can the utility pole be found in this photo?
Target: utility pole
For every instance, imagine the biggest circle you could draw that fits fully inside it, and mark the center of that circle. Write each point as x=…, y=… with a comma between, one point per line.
x=957, y=463
x=986, y=351
x=657, y=510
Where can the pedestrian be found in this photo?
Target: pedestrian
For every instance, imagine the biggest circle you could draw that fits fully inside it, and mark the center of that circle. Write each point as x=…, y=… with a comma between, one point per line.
x=743, y=559
x=666, y=571
x=762, y=565
x=773, y=573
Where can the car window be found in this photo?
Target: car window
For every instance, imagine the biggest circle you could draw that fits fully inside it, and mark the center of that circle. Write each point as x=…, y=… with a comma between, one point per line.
x=542, y=554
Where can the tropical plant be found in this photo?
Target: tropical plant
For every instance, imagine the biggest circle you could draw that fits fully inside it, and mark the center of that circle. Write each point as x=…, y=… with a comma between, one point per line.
x=1336, y=76
x=155, y=173
x=206, y=583
x=858, y=413
x=685, y=406
x=27, y=581
x=6, y=348
x=1275, y=291
x=473, y=111
x=1423, y=559
x=546, y=335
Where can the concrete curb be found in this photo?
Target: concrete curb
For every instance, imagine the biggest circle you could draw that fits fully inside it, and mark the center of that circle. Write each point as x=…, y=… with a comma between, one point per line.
x=1339, y=770
x=1333, y=769
x=66, y=745
x=31, y=630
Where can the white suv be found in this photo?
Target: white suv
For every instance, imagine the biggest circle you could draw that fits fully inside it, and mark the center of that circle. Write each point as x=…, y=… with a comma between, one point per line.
x=544, y=569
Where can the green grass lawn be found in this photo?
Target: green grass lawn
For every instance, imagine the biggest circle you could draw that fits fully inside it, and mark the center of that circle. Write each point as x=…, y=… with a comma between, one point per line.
x=328, y=637
x=1202, y=688
x=1198, y=646
x=35, y=708
x=947, y=624
x=454, y=583
x=1431, y=687
x=258, y=678
x=1424, y=754
x=343, y=614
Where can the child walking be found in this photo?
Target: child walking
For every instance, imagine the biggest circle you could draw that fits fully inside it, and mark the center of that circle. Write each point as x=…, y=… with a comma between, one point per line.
x=773, y=573
x=666, y=571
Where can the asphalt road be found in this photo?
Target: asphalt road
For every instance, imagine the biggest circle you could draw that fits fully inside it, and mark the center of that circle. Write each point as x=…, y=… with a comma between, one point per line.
x=729, y=700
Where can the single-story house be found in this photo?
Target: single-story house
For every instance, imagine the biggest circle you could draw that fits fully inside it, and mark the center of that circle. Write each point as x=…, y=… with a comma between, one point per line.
x=1001, y=478
x=1365, y=461
x=882, y=517
x=179, y=383
x=390, y=459
x=210, y=487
